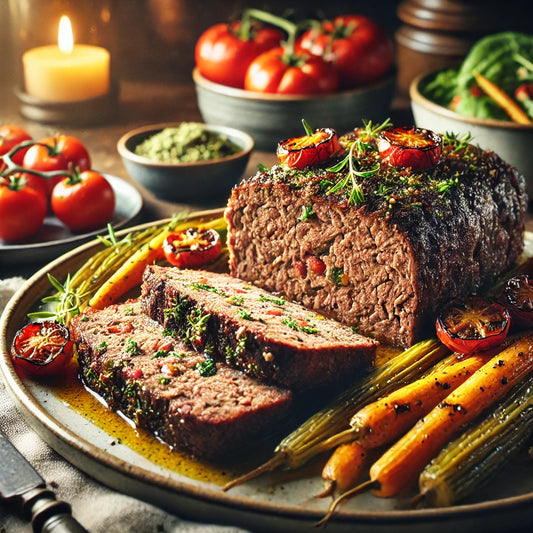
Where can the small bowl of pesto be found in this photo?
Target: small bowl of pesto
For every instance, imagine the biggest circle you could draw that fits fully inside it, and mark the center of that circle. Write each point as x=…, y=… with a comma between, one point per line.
x=187, y=162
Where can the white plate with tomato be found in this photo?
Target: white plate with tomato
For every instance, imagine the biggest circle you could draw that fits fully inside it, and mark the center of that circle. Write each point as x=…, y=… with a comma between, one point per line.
x=53, y=238
x=102, y=444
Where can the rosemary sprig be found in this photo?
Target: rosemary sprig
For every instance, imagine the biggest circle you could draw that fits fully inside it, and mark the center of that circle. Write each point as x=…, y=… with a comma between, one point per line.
x=356, y=195
x=457, y=142
x=68, y=302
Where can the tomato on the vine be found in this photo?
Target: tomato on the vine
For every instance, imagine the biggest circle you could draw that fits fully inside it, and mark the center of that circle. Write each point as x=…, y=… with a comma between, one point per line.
x=313, y=149
x=224, y=51
x=62, y=152
x=42, y=348
x=417, y=148
x=193, y=247
x=277, y=71
x=22, y=209
x=360, y=49
x=473, y=324
x=83, y=202
x=11, y=136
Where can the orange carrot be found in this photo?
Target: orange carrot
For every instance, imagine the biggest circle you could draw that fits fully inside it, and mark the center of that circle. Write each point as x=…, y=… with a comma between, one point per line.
x=401, y=464
x=344, y=467
x=515, y=112
x=389, y=417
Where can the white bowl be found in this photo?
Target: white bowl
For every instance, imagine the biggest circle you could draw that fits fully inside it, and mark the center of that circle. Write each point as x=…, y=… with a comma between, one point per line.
x=513, y=142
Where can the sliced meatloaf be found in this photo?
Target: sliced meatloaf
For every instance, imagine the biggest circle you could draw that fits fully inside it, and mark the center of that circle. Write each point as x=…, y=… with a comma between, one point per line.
x=262, y=334
x=384, y=259
x=209, y=410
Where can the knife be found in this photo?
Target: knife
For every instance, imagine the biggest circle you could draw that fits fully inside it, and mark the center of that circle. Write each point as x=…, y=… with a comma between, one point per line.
x=22, y=485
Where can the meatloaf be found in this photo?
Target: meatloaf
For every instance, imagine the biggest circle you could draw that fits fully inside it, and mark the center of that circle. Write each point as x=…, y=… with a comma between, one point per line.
x=263, y=335
x=379, y=248
x=176, y=393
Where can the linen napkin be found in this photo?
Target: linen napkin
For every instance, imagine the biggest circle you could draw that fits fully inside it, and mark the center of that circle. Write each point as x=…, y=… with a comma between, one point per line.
x=98, y=508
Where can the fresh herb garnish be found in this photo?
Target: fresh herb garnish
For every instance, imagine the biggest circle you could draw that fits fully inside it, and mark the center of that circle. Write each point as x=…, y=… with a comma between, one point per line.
x=206, y=368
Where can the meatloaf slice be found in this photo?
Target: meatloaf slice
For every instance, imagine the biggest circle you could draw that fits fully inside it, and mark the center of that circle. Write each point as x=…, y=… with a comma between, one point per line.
x=386, y=263
x=263, y=335
x=166, y=388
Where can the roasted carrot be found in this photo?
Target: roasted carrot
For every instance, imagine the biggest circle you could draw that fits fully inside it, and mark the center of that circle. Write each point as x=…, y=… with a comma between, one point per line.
x=399, y=467
x=388, y=418
x=344, y=468
x=515, y=112
x=401, y=464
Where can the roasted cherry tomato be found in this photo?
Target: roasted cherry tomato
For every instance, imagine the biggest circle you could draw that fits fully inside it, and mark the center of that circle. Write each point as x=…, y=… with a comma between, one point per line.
x=358, y=47
x=64, y=153
x=224, y=51
x=22, y=209
x=299, y=152
x=84, y=202
x=278, y=71
x=11, y=136
x=42, y=348
x=192, y=247
x=410, y=147
x=518, y=298
x=472, y=325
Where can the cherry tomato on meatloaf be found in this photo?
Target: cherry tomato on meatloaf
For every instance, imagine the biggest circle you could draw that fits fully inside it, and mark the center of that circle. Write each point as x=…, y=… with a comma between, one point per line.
x=22, y=209
x=224, y=51
x=42, y=348
x=472, y=324
x=410, y=147
x=359, y=48
x=192, y=247
x=84, y=202
x=299, y=152
x=276, y=72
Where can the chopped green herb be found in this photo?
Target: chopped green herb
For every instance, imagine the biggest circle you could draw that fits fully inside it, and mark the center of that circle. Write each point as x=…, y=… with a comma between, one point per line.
x=307, y=212
x=131, y=347
x=245, y=315
x=164, y=380
x=206, y=368
x=277, y=301
x=336, y=275
x=237, y=300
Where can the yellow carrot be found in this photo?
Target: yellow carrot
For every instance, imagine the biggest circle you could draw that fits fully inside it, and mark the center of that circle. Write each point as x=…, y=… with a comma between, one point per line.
x=515, y=112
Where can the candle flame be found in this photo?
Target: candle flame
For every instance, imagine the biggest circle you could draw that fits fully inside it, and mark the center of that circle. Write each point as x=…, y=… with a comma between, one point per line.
x=65, y=39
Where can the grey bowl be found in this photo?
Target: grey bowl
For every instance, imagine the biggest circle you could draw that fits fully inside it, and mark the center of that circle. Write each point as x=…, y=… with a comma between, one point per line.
x=197, y=182
x=511, y=141
x=270, y=118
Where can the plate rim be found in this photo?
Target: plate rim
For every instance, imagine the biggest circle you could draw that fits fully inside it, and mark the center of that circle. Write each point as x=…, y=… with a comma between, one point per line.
x=73, y=447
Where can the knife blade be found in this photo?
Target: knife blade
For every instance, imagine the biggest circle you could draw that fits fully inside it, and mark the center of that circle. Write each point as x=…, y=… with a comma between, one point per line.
x=22, y=485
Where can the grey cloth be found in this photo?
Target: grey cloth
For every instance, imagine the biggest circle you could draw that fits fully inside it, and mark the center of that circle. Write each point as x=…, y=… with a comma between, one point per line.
x=98, y=508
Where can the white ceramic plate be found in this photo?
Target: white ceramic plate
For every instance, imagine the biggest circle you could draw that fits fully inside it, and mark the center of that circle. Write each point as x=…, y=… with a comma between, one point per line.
x=54, y=239
x=268, y=503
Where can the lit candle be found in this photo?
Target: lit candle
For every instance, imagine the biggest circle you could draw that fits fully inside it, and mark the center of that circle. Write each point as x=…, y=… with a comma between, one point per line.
x=66, y=72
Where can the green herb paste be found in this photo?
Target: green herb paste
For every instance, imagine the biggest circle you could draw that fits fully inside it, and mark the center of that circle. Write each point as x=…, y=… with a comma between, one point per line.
x=188, y=143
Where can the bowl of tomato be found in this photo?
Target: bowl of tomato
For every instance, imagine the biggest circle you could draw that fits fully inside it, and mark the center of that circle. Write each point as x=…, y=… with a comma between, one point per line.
x=271, y=117
x=265, y=74
x=187, y=162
